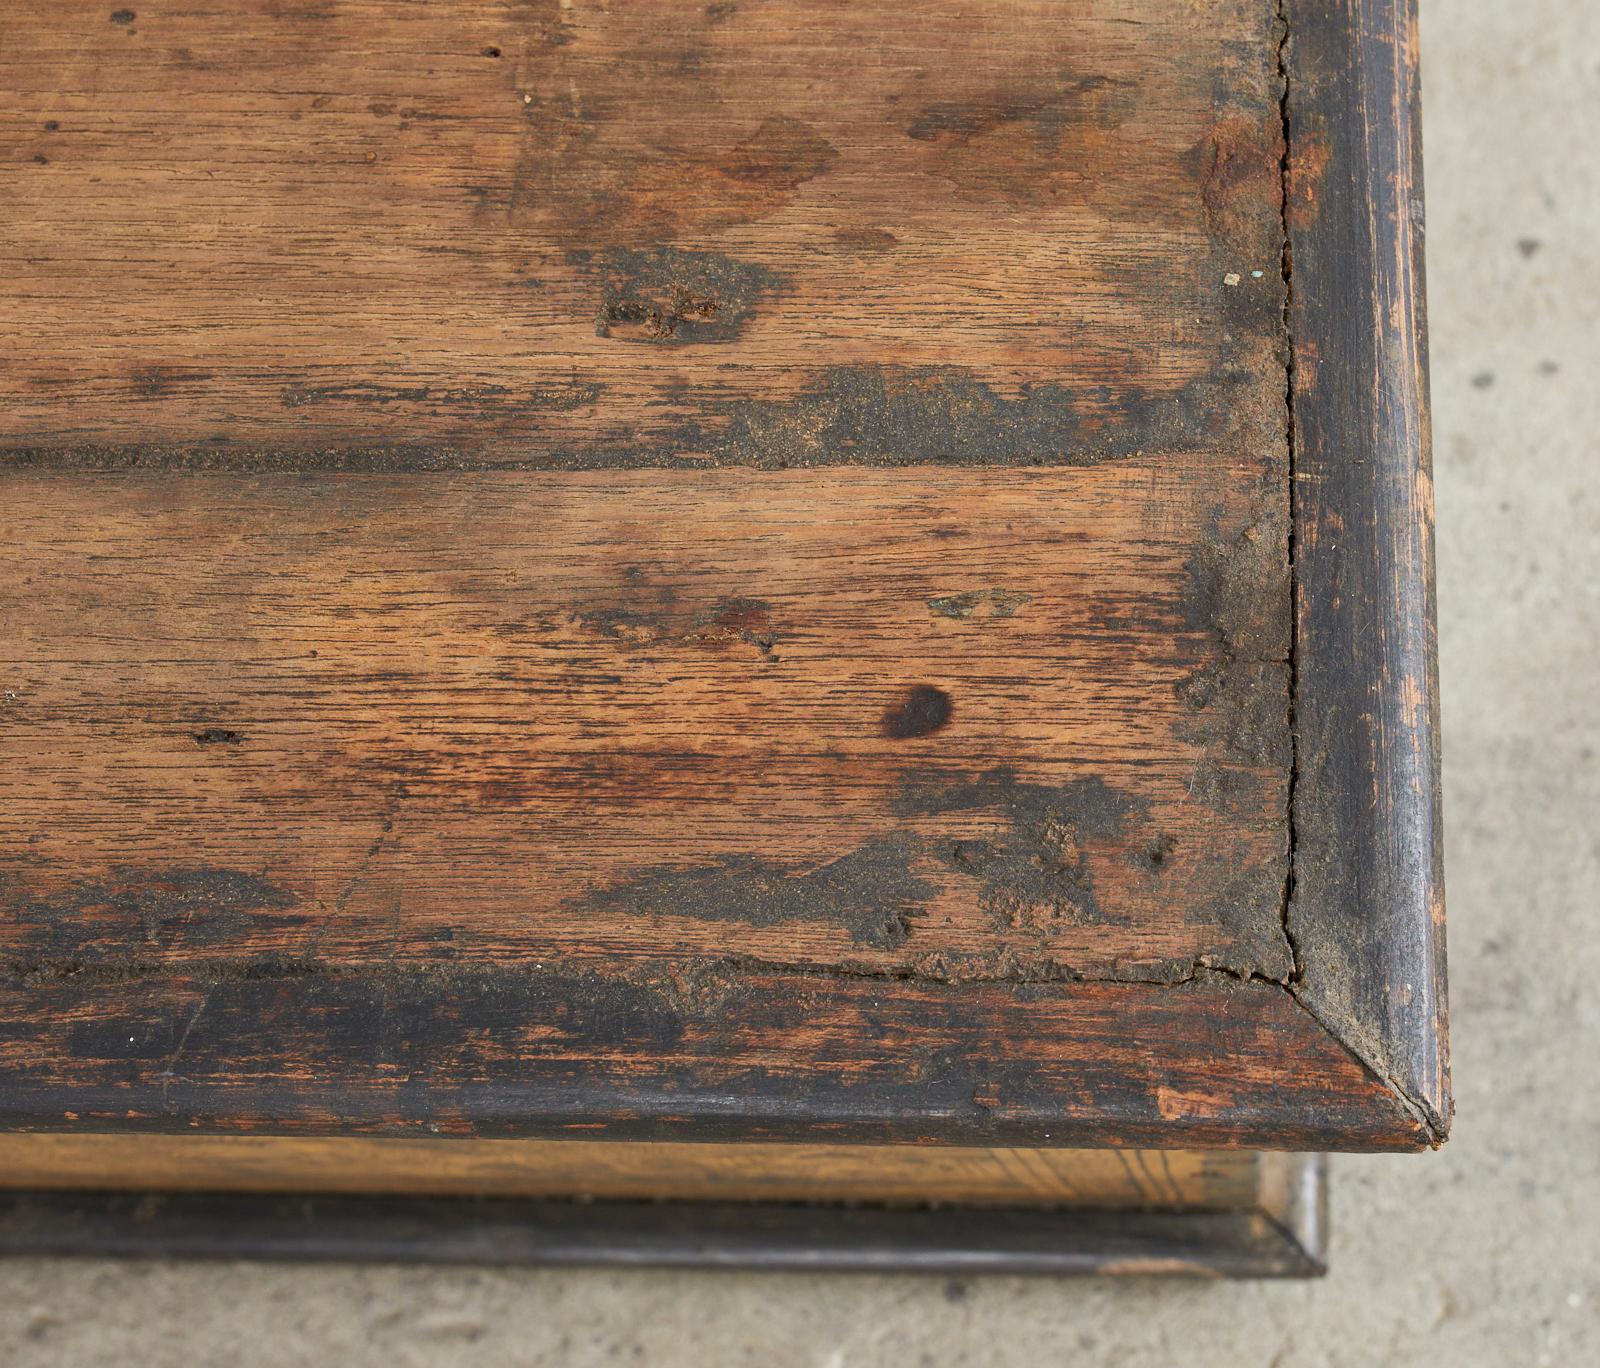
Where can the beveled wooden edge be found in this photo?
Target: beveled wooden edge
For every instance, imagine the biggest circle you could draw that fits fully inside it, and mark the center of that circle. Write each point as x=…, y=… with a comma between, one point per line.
x=1209, y=1063
x=1281, y=1238
x=1366, y=910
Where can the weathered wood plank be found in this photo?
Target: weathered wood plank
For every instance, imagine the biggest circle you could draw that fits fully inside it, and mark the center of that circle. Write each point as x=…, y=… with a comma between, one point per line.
x=956, y=726
x=582, y=233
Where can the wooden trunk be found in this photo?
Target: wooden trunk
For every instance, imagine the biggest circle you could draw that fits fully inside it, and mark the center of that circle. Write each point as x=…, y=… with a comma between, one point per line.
x=753, y=602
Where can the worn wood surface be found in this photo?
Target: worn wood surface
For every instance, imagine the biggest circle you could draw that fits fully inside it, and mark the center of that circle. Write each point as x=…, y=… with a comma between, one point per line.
x=584, y=232
x=666, y=570
x=953, y=726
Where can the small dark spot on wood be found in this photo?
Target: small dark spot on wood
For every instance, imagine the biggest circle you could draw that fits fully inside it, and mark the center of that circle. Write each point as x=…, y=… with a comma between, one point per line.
x=40, y=159
x=972, y=854
x=123, y=17
x=491, y=52
x=1158, y=852
x=52, y=125
x=921, y=711
x=217, y=736
x=716, y=14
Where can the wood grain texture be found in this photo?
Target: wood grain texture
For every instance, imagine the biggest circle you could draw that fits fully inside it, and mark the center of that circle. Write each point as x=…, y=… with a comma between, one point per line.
x=1367, y=915
x=955, y=728
x=570, y=232
x=699, y=572
x=617, y=1170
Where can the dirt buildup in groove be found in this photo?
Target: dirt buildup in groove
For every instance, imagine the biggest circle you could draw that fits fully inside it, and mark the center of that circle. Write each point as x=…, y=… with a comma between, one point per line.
x=485, y=400
x=1237, y=601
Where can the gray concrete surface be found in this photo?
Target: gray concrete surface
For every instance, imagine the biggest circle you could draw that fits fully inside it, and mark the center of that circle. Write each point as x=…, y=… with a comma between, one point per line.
x=1487, y=1253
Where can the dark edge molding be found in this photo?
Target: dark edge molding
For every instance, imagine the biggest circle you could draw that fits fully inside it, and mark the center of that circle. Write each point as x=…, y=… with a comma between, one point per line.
x=1281, y=1238
x=1214, y=1063
x=1365, y=915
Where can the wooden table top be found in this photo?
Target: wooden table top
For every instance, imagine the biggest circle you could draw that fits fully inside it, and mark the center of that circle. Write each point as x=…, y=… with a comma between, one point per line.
x=807, y=570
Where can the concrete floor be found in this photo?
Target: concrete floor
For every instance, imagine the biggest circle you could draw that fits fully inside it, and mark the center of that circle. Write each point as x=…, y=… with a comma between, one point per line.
x=1486, y=1253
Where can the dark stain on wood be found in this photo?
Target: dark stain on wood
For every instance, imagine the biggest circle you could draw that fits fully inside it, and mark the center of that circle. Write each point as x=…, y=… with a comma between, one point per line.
x=157, y=382
x=1240, y=165
x=652, y=620
x=1028, y=143
x=870, y=415
x=664, y=295
x=1034, y=868
x=136, y=913
x=922, y=710
x=873, y=893
x=866, y=239
x=980, y=604
x=1050, y=115
x=217, y=736
x=650, y=194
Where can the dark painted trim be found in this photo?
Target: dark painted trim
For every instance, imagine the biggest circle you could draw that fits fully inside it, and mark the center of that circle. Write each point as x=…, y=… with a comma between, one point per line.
x=1254, y=1243
x=1212, y=1063
x=1366, y=915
